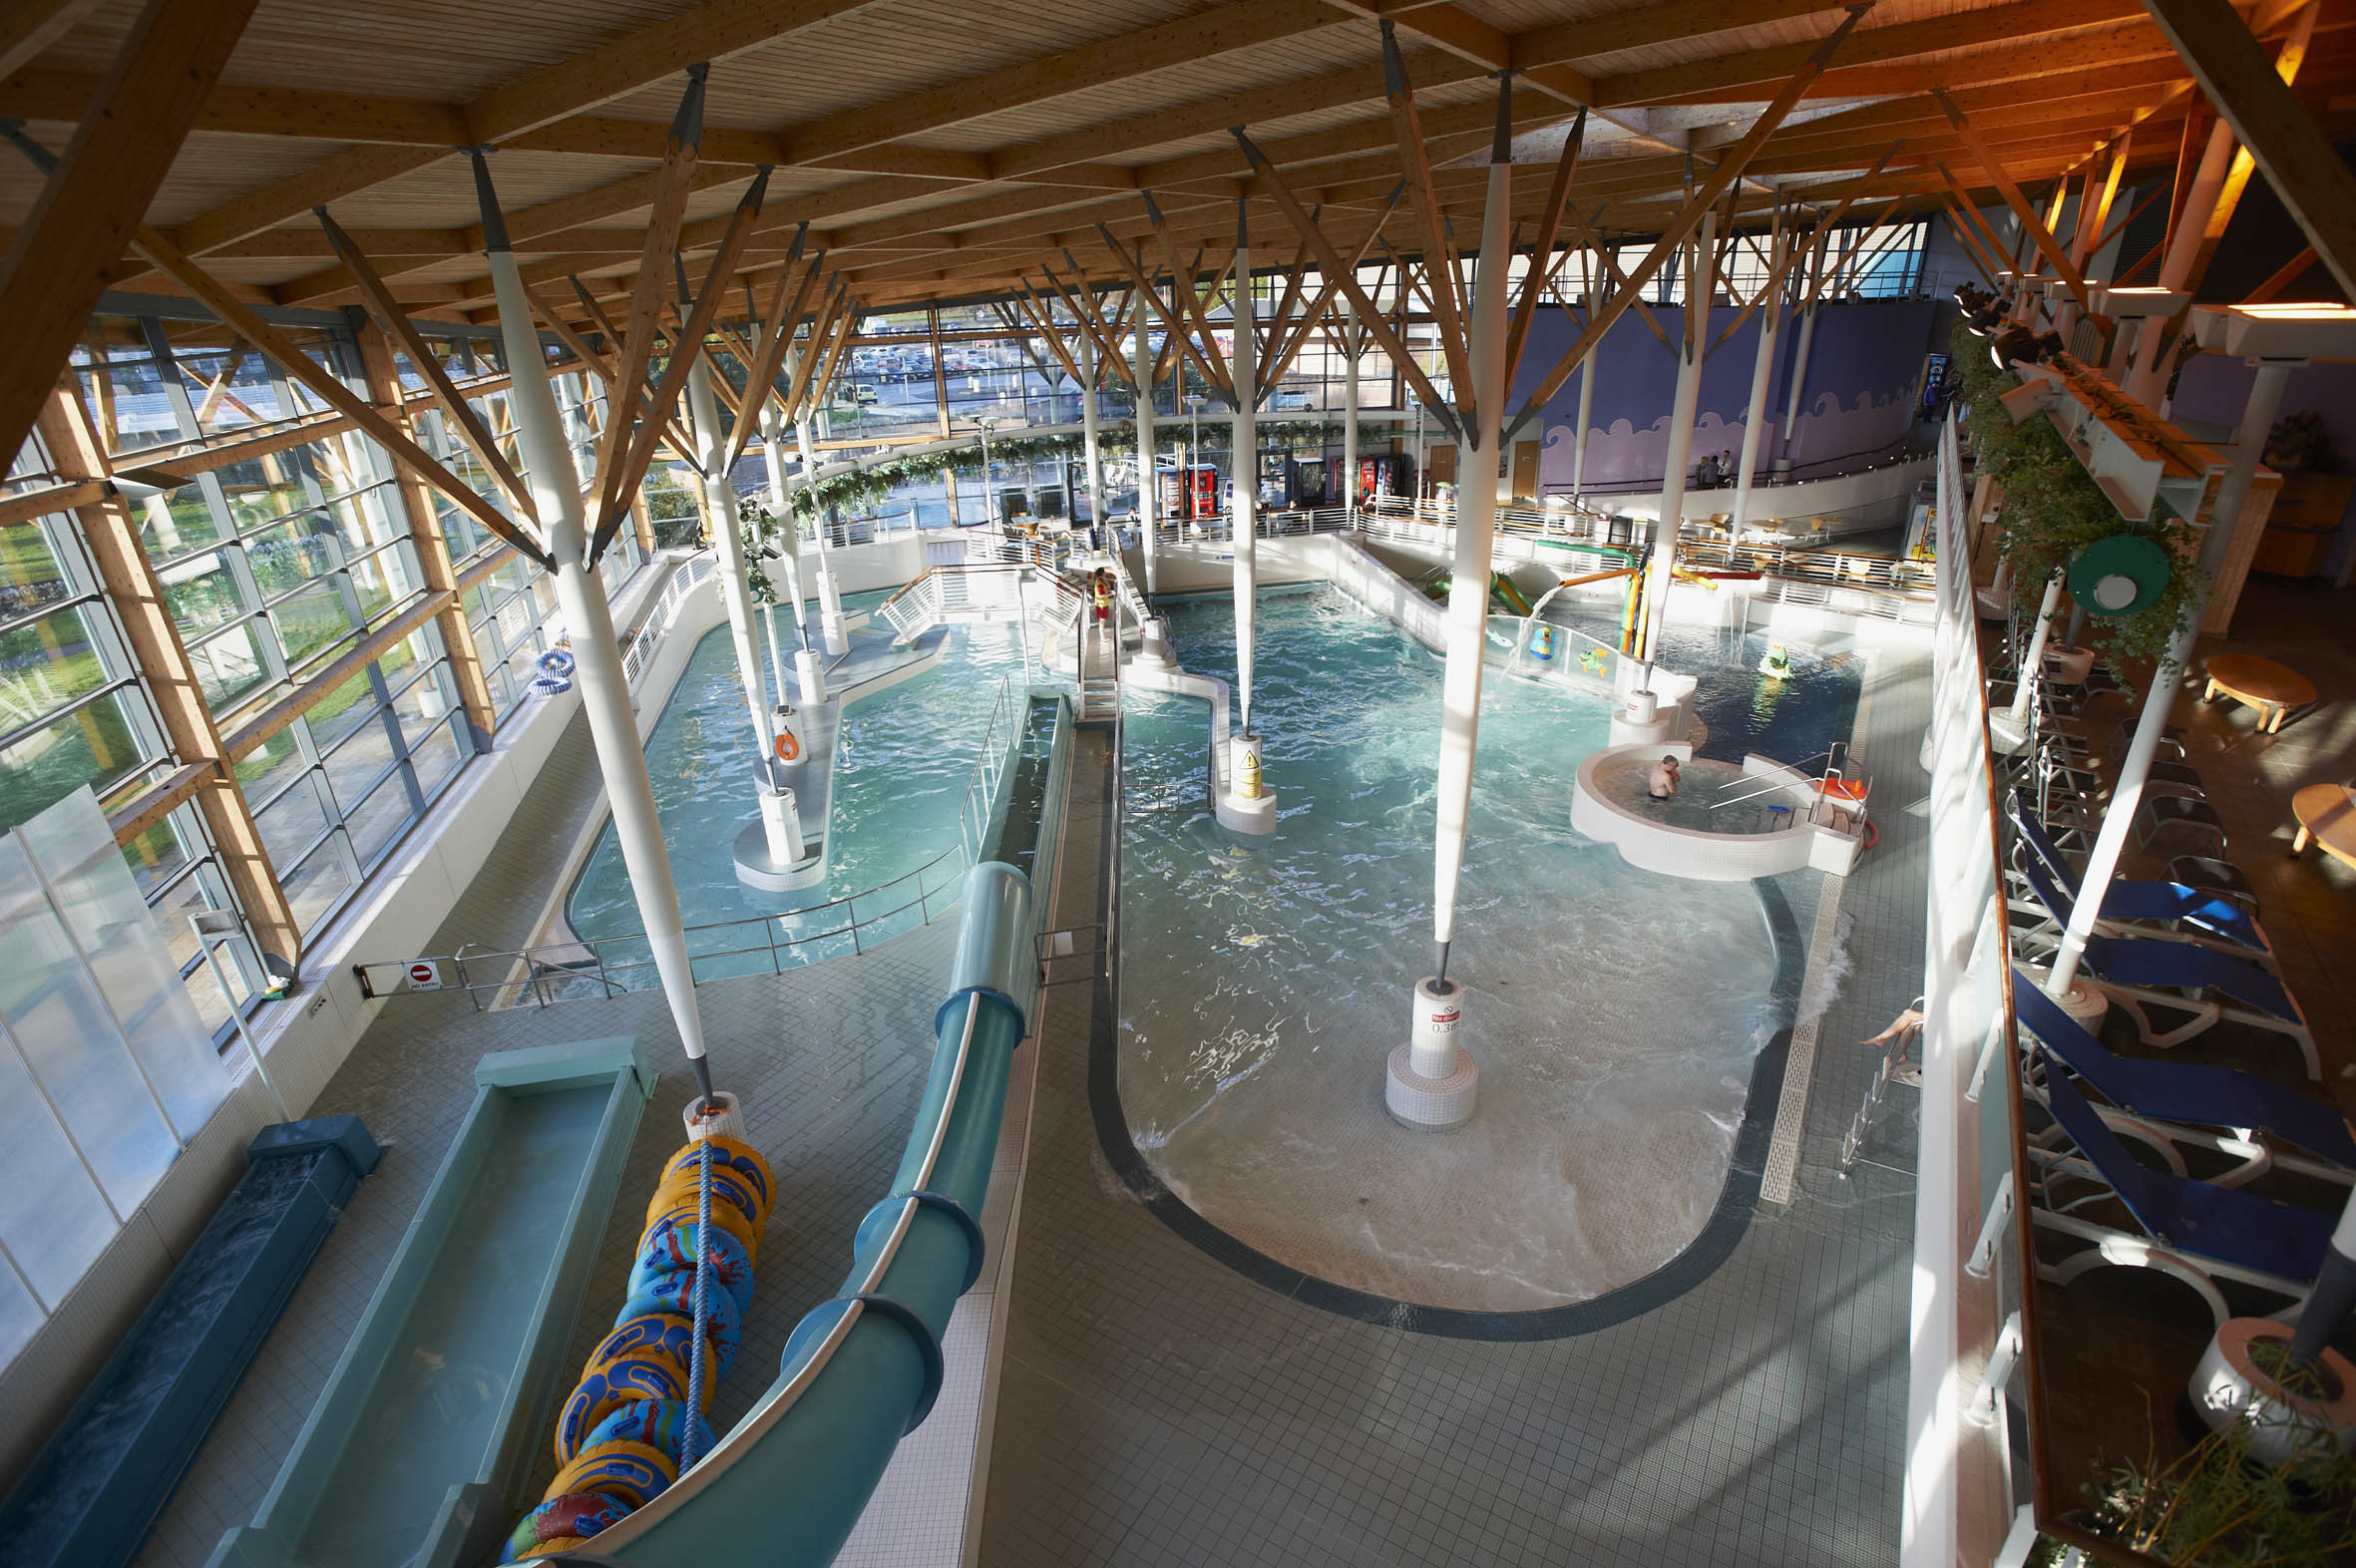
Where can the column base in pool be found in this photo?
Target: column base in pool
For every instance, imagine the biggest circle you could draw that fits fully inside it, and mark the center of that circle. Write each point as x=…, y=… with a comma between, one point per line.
x=1431, y=1082
x=758, y=870
x=1423, y=1105
x=834, y=635
x=1239, y=815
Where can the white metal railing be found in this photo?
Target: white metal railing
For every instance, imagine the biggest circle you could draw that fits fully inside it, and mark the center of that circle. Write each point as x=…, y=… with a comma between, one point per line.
x=594, y=968
x=664, y=614
x=1956, y=1481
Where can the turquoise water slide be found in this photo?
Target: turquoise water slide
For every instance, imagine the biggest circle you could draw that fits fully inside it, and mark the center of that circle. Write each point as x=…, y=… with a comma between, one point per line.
x=862, y=1369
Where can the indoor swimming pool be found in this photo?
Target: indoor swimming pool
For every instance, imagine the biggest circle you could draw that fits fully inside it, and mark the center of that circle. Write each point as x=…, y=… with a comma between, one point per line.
x=904, y=764
x=1615, y=1014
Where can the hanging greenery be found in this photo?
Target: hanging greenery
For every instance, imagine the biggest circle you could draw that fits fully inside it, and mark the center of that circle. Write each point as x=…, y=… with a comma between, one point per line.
x=863, y=488
x=759, y=530
x=2053, y=510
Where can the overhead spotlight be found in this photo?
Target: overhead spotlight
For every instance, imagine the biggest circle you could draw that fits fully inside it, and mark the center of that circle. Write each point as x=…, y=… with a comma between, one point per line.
x=2013, y=342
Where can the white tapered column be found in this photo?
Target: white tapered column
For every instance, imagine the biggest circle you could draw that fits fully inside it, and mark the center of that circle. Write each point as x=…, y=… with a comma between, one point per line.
x=1800, y=370
x=781, y=505
x=1586, y=411
x=1431, y=1082
x=781, y=828
x=1680, y=442
x=596, y=655
x=1088, y=449
x=1756, y=416
x=831, y=632
x=2127, y=792
x=1350, y=344
x=1149, y=500
x=2009, y=729
x=1244, y=445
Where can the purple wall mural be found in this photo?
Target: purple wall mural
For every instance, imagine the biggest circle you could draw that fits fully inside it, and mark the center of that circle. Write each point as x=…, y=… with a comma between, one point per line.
x=1863, y=379
x=2215, y=389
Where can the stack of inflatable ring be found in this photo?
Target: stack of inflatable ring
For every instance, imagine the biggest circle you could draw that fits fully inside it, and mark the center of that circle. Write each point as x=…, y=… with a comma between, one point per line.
x=622, y=1434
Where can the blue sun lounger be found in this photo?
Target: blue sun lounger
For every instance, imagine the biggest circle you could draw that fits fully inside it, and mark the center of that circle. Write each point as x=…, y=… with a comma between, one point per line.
x=2180, y=1091
x=2147, y=973
x=2197, y=911
x=2258, y=1235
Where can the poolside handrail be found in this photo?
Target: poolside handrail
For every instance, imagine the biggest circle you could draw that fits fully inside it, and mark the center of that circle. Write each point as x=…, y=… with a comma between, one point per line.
x=581, y=969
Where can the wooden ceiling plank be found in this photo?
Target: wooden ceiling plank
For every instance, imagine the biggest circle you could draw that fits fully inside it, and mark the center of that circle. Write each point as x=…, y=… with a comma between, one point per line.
x=1870, y=46
x=29, y=27
x=1242, y=25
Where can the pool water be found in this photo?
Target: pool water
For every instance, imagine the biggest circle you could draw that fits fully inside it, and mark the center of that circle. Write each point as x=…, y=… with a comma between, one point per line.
x=904, y=762
x=1791, y=719
x=1712, y=796
x=1264, y=981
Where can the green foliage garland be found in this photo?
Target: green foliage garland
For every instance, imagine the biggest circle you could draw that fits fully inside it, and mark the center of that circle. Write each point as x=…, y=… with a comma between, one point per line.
x=2053, y=510
x=862, y=489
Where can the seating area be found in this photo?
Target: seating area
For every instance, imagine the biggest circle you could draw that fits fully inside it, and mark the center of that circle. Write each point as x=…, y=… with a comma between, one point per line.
x=2184, y=1104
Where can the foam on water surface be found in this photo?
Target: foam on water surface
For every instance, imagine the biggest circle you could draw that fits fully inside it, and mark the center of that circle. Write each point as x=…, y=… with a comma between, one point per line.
x=1614, y=1012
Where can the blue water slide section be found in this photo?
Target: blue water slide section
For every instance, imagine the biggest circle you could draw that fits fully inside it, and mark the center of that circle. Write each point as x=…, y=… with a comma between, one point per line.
x=862, y=1369
x=89, y=1498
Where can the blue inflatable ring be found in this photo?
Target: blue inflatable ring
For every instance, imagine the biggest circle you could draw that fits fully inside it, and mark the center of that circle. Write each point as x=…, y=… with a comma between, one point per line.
x=556, y=662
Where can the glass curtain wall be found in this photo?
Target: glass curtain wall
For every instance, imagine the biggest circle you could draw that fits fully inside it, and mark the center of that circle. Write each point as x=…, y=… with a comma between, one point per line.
x=283, y=556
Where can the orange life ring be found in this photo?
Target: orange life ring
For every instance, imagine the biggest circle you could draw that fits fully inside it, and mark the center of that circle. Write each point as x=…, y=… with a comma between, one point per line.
x=1848, y=789
x=788, y=748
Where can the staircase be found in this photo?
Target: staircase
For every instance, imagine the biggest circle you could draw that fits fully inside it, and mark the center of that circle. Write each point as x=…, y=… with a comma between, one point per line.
x=1100, y=680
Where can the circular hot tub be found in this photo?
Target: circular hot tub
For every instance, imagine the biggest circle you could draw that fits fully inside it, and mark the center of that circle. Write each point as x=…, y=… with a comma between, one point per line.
x=1726, y=822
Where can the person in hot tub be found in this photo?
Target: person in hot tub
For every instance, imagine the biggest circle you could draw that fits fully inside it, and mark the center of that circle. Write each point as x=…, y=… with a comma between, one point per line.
x=1664, y=778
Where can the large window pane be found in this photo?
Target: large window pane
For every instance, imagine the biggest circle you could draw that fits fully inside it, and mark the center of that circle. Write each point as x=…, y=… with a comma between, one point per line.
x=355, y=765
x=30, y=577
x=435, y=756
x=46, y=663
x=290, y=824
x=202, y=592
x=380, y=819
x=311, y=623
x=318, y=885
x=230, y=666
x=94, y=745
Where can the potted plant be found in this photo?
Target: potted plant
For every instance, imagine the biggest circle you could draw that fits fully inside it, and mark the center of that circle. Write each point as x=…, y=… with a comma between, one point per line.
x=2053, y=510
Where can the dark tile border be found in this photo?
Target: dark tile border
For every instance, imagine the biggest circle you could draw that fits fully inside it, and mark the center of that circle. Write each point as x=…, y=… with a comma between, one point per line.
x=1738, y=1200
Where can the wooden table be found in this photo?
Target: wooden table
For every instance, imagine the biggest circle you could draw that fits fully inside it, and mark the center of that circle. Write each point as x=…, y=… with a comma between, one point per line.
x=2327, y=814
x=2273, y=690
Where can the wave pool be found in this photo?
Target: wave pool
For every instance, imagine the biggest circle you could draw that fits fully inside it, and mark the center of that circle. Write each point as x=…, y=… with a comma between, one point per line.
x=1615, y=1014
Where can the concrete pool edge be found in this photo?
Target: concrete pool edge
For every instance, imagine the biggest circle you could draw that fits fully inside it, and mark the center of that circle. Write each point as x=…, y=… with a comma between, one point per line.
x=1730, y=1217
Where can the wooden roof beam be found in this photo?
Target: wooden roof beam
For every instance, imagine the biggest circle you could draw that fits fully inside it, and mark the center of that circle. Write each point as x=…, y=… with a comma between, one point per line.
x=1689, y=219
x=2043, y=236
x=94, y=194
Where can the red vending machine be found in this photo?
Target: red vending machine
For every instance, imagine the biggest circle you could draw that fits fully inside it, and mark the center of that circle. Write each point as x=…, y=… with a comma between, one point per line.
x=1202, y=491
x=1369, y=479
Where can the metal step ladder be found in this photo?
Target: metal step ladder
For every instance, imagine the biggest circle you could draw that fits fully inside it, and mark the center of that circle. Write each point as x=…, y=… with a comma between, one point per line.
x=1100, y=675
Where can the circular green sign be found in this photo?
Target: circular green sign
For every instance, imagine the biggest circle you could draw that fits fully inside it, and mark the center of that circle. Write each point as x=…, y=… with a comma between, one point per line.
x=2119, y=575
